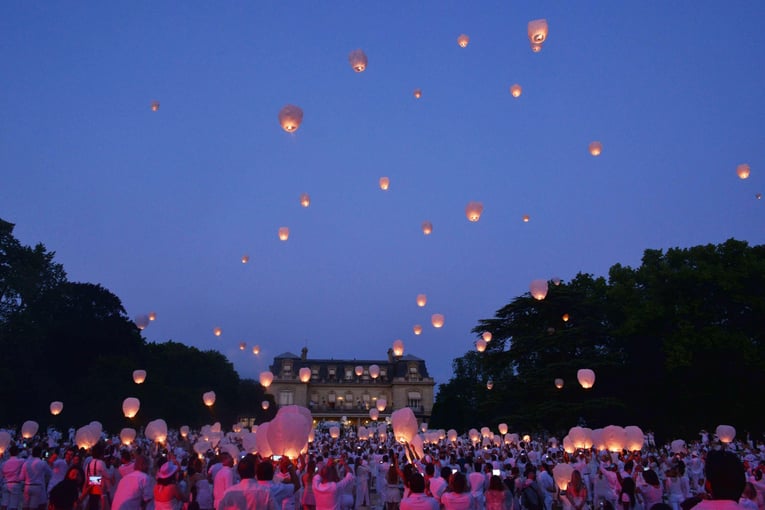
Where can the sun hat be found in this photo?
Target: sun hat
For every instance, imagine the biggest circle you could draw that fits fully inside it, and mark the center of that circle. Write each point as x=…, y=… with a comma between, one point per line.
x=167, y=470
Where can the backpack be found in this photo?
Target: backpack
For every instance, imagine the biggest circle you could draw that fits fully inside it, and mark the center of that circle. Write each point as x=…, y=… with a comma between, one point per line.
x=530, y=499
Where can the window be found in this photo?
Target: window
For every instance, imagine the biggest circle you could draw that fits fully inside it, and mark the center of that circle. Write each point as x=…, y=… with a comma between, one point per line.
x=348, y=374
x=414, y=400
x=315, y=398
x=286, y=398
x=331, y=397
x=414, y=373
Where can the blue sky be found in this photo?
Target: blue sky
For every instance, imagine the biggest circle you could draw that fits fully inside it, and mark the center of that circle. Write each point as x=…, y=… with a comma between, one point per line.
x=159, y=207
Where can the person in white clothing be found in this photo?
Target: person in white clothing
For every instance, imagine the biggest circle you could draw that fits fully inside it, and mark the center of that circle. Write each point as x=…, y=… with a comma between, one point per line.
x=134, y=491
x=36, y=473
x=417, y=499
x=224, y=478
x=14, y=483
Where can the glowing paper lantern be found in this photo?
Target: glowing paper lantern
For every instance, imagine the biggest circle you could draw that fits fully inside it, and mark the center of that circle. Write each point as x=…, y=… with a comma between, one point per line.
x=304, y=374
x=56, y=407
x=245, y=259
x=417, y=329
x=29, y=429
x=217, y=331
x=568, y=446
x=422, y=299
x=417, y=93
x=201, y=447
x=130, y=407
x=580, y=437
x=538, y=289
x=562, y=474
x=404, y=425
x=480, y=345
x=155, y=106
x=516, y=90
x=725, y=433
x=614, y=437
x=5, y=440
x=261, y=440
x=463, y=40
x=502, y=428
x=486, y=335
x=358, y=370
x=152, y=316
x=358, y=60
x=265, y=405
x=156, y=430
x=758, y=196
x=437, y=320
x=374, y=413
x=597, y=439
x=556, y=281
x=398, y=348
x=305, y=200
x=489, y=384
x=127, y=436
x=473, y=211
x=586, y=378
x=384, y=183
x=87, y=436
x=381, y=404
x=284, y=233
x=635, y=438
x=266, y=378
x=185, y=431
x=334, y=432
x=290, y=118
x=559, y=383
x=256, y=350
x=743, y=171
x=427, y=228
x=374, y=371
x=596, y=148
x=537, y=31
x=288, y=431
x=451, y=435
x=565, y=317
x=141, y=321
x=242, y=346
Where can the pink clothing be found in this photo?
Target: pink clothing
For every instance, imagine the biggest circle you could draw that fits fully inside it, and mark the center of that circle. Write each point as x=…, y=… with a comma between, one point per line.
x=457, y=500
x=329, y=495
x=495, y=500
x=247, y=494
x=419, y=501
x=133, y=491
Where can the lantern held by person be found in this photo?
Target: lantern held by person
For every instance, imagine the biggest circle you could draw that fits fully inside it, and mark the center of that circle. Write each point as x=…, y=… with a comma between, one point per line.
x=404, y=425
x=265, y=405
x=127, y=436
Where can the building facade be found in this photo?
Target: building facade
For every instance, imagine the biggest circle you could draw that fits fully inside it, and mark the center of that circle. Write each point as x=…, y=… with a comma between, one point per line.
x=338, y=388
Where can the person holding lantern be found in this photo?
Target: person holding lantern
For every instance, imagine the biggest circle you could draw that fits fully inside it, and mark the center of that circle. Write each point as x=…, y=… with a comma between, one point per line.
x=328, y=487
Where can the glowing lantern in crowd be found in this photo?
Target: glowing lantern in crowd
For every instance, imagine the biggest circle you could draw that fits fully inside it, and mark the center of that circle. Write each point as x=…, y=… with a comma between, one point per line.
x=404, y=425
x=565, y=317
x=586, y=378
x=417, y=93
x=374, y=371
x=185, y=431
x=725, y=433
x=245, y=259
x=537, y=32
x=29, y=429
x=155, y=106
x=290, y=118
x=266, y=378
x=56, y=407
x=473, y=211
x=334, y=432
x=526, y=438
x=596, y=148
x=422, y=299
x=480, y=345
x=417, y=329
x=489, y=384
x=208, y=398
x=562, y=474
x=437, y=320
x=381, y=404
x=502, y=428
x=486, y=335
x=87, y=436
x=5, y=440
x=580, y=437
x=427, y=228
x=217, y=331
x=305, y=200
x=256, y=350
x=358, y=60
x=237, y=428
x=597, y=439
x=374, y=413
x=538, y=289
x=201, y=447
x=141, y=321
x=288, y=431
x=284, y=233
x=451, y=435
x=635, y=438
x=614, y=437
x=384, y=183
x=265, y=405
x=130, y=407
x=261, y=440
x=568, y=446
x=743, y=171
x=516, y=90
x=242, y=346
x=463, y=40
x=398, y=348
x=559, y=383
x=127, y=436
x=358, y=370
x=304, y=374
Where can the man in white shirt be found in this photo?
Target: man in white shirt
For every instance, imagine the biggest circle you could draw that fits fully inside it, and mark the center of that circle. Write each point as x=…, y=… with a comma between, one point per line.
x=224, y=478
x=36, y=474
x=250, y=494
x=417, y=499
x=14, y=483
x=135, y=489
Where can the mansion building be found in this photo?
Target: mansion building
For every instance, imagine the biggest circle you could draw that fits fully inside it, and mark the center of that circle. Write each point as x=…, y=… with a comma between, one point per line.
x=345, y=387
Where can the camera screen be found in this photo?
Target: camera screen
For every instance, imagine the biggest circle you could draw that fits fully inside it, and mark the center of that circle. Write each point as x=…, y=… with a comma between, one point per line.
x=276, y=457
x=94, y=480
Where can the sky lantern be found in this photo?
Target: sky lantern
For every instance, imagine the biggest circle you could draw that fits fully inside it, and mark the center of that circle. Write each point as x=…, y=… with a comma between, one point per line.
x=559, y=383
x=473, y=211
x=290, y=118
x=29, y=429
x=284, y=233
x=451, y=435
x=374, y=413
x=758, y=196
x=266, y=378
x=5, y=440
x=384, y=183
x=334, y=432
x=586, y=378
x=562, y=474
x=537, y=33
x=156, y=430
x=185, y=431
x=635, y=438
x=265, y=405
x=725, y=433
x=288, y=431
x=615, y=438
x=152, y=316
x=304, y=374
x=556, y=280
x=480, y=345
x=596, y=148
x=404, y=425
x=538, y=289
x=743, y=171
x=245, y=259
x=422, y=300
x=526, y=218
x=502, y=428
x=127, y=436
x=437, y=320
x=87, y=436
x=141, y=321
x=374, y=371
x=417, y=93
x=381, y=404
x=516, y=91
x=427, y=228
x=130, y=407
x=358, y=370
x=242, y=346
x=565, y=317
x=256, y=350
x=217, y=331
x=489, y=384
x=486, y=335
x=536, y=48
x=358, y=60
x=463, y=40
x=155, y=106
x=398, y=348
x=417, y=329
x=139, y=376
x=305, y=199
x=56, y=407
x=208, y=398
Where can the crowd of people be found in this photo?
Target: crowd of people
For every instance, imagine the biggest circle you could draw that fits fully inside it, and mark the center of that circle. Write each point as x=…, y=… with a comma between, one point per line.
x=346, y=473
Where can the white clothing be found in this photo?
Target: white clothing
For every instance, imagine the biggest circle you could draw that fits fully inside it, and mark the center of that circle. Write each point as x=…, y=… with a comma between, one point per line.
x=224, y=478
x=133, y=490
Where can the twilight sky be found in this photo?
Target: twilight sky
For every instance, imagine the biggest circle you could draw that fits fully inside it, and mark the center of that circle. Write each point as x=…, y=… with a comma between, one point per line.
x=159, y=207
